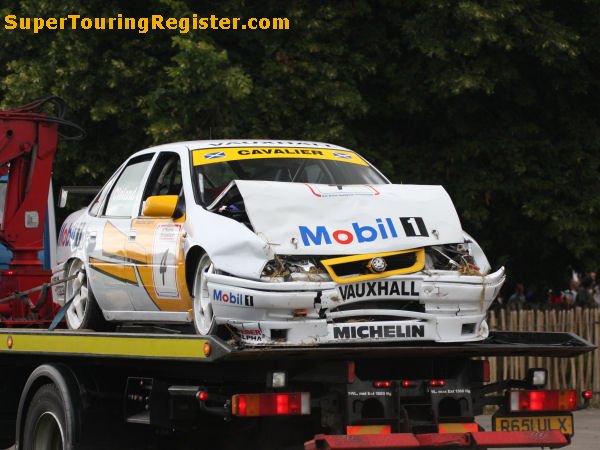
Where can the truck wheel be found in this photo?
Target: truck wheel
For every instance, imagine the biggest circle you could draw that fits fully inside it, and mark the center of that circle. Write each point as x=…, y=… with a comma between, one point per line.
x=204, y=318
x=83, y=312
x=45, y=426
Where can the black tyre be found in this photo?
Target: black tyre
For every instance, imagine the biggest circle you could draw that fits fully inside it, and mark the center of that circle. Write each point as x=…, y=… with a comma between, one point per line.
x=83, y=312
x=45, y=425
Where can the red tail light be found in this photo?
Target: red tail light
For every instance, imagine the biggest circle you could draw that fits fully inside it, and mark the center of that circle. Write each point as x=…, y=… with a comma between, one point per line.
x=382, y=384
x=486, y=370
x=283, y=404
x=587, y=395
x=542, y=400
x=351, y=372
x=408, y=383
x=437, y=383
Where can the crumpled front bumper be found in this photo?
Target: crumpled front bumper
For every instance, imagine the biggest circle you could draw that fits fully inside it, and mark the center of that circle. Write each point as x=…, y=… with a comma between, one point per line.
x=452, y=308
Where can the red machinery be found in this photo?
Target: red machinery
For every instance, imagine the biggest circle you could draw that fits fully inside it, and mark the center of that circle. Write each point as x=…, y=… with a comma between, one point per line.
x=28, y=143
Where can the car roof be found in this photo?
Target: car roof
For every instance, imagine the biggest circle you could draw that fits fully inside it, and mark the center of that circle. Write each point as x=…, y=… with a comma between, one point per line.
x=226, y=143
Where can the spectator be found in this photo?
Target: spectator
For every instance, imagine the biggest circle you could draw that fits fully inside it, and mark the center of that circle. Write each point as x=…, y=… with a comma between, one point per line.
x=570, y=295
x=518, y=297
x=585, y=293
x=555, y=298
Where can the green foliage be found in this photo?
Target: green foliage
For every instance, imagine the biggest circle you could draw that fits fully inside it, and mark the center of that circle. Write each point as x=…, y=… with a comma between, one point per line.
x=497, y=100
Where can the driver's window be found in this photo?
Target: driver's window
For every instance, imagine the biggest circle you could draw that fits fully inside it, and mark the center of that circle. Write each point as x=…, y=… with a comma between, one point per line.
x=165, y=178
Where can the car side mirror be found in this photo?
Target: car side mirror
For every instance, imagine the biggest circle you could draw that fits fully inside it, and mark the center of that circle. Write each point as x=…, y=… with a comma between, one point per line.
x=160, y=206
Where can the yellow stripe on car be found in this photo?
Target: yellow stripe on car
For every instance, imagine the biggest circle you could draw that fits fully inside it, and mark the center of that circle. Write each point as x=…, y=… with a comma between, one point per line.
x=212, y=156
x=121, y=272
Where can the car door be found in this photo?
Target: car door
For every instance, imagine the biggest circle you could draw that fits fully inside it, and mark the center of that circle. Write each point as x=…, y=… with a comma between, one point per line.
x=156, y=244
x=111, y=273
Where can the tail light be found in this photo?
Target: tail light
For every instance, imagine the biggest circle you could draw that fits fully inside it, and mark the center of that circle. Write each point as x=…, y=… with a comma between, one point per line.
x=486, y=370
x=282, y=404
x=351, y=372
x=437, y=383
x=587, y=395
x=408, y=384
x=382, y=384
x=542, y=400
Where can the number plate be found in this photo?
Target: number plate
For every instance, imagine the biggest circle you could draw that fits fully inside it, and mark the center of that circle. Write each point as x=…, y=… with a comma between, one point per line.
x=563, y=423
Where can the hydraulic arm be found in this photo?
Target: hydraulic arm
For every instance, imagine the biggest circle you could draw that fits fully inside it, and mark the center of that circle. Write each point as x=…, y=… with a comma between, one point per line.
x=28, y=142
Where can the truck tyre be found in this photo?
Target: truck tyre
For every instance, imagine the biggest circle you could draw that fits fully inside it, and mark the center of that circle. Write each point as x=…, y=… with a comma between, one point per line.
x=45, y=424
x=83, y=312
x=204, y=318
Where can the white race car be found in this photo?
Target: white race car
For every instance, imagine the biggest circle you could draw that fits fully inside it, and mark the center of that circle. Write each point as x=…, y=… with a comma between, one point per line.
x=284, y=243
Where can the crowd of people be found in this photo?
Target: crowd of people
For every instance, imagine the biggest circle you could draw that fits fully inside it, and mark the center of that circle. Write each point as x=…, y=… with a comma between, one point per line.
x=582, y=290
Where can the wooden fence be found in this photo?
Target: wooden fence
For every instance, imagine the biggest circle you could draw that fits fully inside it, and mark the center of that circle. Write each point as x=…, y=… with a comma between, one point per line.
x=582, y=372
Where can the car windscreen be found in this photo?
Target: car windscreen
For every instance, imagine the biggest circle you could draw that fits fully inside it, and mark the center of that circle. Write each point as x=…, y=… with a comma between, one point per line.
x=211, y=177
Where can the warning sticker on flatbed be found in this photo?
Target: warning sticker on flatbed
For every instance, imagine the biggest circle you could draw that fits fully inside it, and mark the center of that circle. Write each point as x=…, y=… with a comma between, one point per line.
x=563, y=423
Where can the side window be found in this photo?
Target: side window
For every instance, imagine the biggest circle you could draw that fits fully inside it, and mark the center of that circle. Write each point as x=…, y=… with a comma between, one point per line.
x=165, y=178
x=124, y=192
x=94, y=207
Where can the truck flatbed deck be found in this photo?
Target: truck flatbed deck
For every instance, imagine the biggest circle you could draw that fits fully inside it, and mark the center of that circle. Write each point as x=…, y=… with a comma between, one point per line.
x=186, y=347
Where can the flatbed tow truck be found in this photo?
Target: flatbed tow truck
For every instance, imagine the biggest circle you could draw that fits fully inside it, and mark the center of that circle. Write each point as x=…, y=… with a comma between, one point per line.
x=153, y=388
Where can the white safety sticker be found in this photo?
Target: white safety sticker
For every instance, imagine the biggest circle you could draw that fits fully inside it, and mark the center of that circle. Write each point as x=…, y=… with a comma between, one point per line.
x=164, y=260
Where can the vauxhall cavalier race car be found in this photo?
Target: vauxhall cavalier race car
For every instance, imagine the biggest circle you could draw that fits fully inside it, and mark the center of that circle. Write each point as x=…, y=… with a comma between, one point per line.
x=285, y=243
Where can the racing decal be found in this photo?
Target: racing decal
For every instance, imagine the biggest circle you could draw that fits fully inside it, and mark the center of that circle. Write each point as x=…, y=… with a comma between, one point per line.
x=209, y=156
x=380, y=289
x=251, y=335
x=113, y=243
x=328, y=191
x=215, y=155
x=232, y=298
x=414, y=226
x=382, y=229
x=120, y=272
x=71, y=234
x=378, y=331
x=341, y=155
x=164, y=260
x=224, y=144
x=153, y=249
x=158, y=243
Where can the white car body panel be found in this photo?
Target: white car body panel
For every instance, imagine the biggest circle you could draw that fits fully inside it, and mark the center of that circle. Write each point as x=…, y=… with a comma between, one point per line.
x=377, y=218
x=141, y=277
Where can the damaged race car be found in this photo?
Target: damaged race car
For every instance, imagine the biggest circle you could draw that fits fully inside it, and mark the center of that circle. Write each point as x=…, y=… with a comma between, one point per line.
x=284, y=243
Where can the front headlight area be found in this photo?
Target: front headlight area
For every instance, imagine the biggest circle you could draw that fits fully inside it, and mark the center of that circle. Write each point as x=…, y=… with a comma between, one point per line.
x=294, y=268
x=465, y=257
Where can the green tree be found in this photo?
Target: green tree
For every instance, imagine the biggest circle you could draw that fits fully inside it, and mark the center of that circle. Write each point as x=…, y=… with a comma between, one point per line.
x=496, y=100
